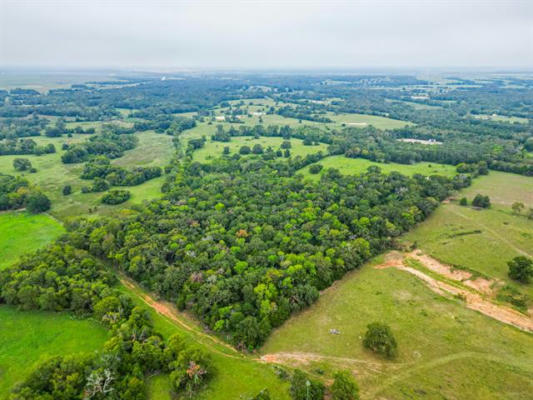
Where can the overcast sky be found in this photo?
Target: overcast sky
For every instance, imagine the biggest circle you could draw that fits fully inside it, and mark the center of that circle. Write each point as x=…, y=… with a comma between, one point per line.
x=266, y=34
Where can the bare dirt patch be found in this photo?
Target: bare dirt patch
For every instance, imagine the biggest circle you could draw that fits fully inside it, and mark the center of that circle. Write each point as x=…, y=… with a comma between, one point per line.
x=473, y=300
x=442, y=269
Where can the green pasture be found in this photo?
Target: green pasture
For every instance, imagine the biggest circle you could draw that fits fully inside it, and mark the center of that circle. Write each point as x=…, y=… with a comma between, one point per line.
x=214, y=149
x=27, y=337
x=353, y=166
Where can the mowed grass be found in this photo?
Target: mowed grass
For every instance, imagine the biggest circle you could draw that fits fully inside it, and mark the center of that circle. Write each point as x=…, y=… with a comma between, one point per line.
x=441, y=343
x=501, y=118
x=22, y=232
x=482, y=240
x=237, y=375
x=213, y=149
x=27, y=337
x=52, y=174
x=354, y=166
x=362, y=120
x=503, y=189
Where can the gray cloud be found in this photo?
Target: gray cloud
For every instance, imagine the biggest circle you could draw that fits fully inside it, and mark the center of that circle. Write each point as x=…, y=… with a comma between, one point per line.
x=266, y=34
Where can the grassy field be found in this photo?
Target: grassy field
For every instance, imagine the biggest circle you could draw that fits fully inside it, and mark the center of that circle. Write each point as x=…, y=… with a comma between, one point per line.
x=362, y=120
x=153, y=150
x=501, y=118
x=441, y=343
x=21, y=232
x=213, y=149
x=445, y=349
x=482, y=240
x=27, y=337
x=350, y=166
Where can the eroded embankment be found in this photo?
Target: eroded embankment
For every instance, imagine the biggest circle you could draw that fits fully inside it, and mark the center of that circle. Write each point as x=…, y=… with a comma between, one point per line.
x=473, y=291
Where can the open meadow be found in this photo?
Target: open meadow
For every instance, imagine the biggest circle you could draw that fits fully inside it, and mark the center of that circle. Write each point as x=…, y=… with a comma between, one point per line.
x=27, y=337
x=213, y=149
x=437, y=337
x=21, y=232
x=52, y=174
x=353, y=166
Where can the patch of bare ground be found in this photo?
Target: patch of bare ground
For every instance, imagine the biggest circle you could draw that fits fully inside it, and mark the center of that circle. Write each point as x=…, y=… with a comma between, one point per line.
x=480, y=284
x=299, y=359
x=473, y=300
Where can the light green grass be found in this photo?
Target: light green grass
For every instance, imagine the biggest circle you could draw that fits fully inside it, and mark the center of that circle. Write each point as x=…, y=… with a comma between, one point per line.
x=434, y=334
x=503, y=189
x=416, y=106
x=22, y=232
x=501, y=118
x=153, y=150
x=363, y=120
x=213, y=149
x=503, y=235
x=27, y=337
x=354, y=166
x=159, y=388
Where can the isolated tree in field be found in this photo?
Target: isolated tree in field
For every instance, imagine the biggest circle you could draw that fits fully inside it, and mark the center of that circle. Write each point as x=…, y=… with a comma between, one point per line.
x=305, y=388
x=67, y=189
x=37, y=202
x=257, y=149
x=315, y=168
x=226, y=150
x=344, y=387
x=517, y=207
x=245, y=150
x=521, y=269
x=463, y=201
x=530, y=213
x=481, y=201
x=286, y=144
x=21, y=164
x=379, y=339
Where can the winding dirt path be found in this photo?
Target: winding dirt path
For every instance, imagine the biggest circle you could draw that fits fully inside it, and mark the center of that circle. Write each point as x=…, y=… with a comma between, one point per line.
x=473, y=299
x=169, y=311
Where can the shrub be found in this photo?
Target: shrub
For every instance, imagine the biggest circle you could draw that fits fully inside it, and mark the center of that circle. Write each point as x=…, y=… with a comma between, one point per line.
x=481, y=201
x=37, y=202
x=21, y=164
x=99, y=185
x=190, y=371
x=245, y=150
x=520, y=269
x=116, y=197
x=67, y=189
x=257, y=149
x=463, y=201
x=286, y=144
x=344, y=387
x=379, y=339
x=315, y=168
x=304, y=388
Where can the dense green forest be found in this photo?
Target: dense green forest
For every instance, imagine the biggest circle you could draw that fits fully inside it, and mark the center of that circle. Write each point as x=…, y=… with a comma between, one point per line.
x=241, y=240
